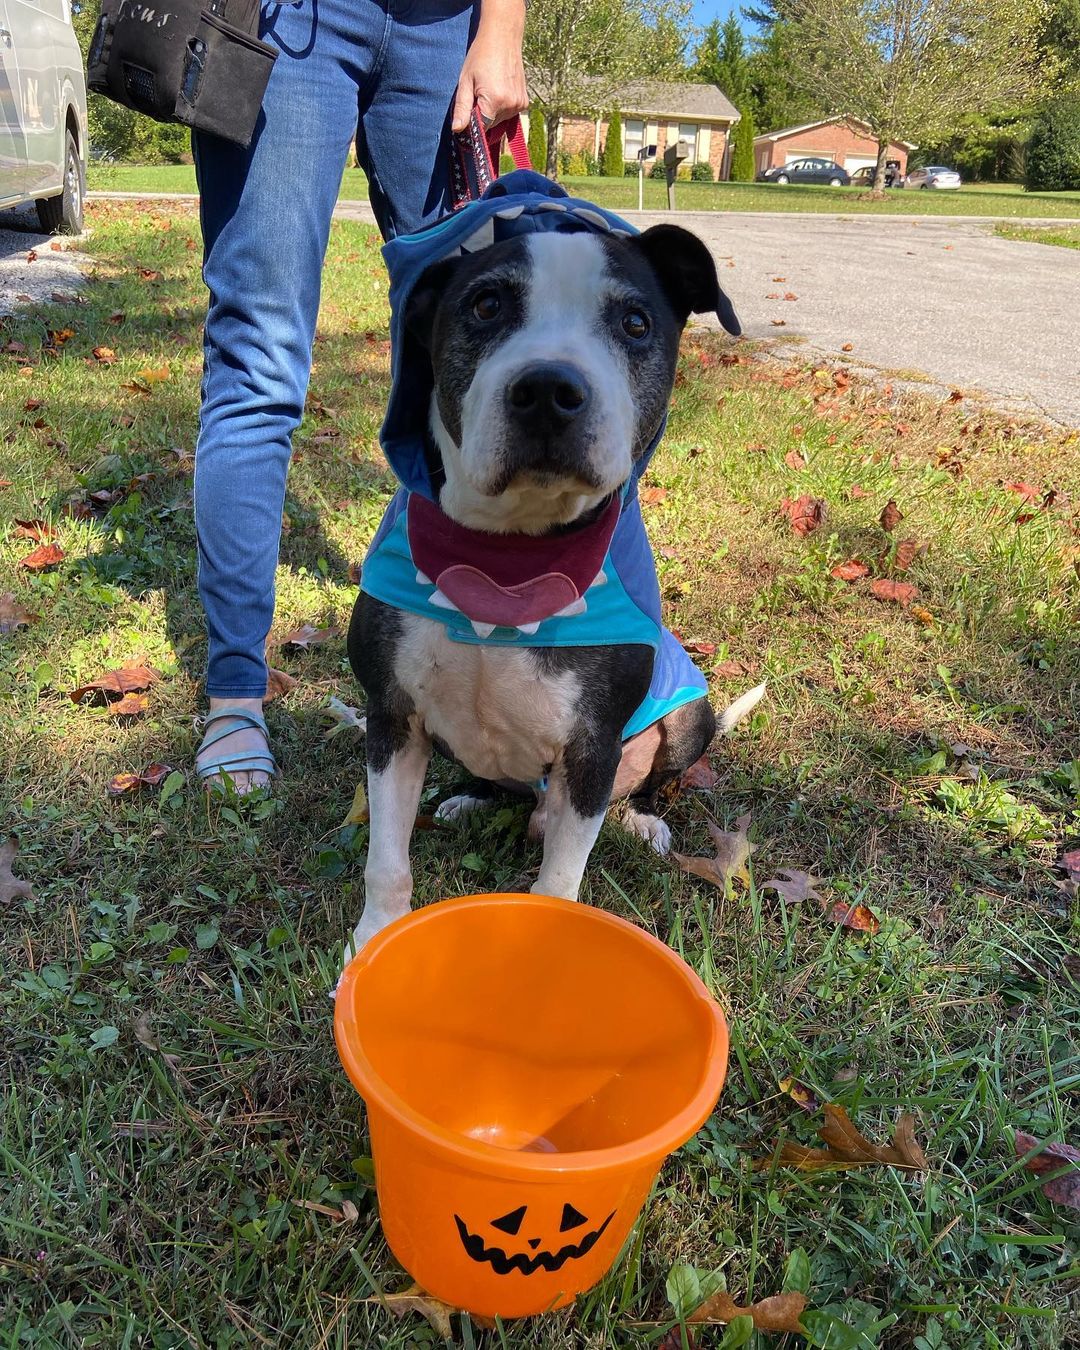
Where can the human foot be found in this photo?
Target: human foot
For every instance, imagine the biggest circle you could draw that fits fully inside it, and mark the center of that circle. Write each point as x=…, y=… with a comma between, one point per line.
x=235, y=747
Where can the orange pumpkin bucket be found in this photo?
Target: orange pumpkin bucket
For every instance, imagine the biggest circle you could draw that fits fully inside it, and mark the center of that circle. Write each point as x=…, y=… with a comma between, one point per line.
x=527, y=1065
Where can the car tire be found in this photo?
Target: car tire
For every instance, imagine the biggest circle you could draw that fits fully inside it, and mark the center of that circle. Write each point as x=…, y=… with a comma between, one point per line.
x=783, y=179
x=63, y=214
x=836, y=182
x=923, y=187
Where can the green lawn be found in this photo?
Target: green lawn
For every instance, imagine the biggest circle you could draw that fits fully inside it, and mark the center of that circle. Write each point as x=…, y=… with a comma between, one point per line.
x=1067, y=236
x=982, y=199
x=172, y=1098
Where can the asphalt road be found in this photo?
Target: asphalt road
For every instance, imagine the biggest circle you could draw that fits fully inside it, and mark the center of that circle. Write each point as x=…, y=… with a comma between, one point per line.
x=946, y=300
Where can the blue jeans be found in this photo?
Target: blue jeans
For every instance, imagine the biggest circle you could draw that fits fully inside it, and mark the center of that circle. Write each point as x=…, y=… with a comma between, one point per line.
x=384, y=71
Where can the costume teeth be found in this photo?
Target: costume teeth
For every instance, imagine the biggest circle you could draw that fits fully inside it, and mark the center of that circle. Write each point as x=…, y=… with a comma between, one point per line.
x=510, y=213
x=577, y=606
x=528, y=629
x=482, y=238
x=441, y=601
x=599, y=580
x=422, y=580
x=549, y=205
x=482, y=630
x=593, y=217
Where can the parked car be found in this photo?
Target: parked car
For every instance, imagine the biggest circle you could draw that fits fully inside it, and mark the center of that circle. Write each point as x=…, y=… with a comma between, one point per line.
x=807, y=171
x=932, y=176
x=864, y=177
x=42, y=113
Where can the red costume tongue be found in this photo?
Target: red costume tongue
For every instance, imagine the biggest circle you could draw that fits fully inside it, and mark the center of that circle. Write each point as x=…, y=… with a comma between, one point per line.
x=507, y=579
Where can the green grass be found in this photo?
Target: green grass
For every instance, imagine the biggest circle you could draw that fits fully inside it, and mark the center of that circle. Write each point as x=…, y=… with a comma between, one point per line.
x=620, y=194
x=154, y=1201
x=1066, y=237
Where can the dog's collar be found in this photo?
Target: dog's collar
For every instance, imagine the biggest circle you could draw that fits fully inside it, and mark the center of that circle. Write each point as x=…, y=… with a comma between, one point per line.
x=507, y=580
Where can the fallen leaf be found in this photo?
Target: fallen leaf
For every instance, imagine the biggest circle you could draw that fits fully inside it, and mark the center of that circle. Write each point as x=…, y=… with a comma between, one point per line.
x=48, y=555
x=848, y=347
x=900, y=592
x=779, y=323
x=1070, y=861
x=144, y=1034
x=11, y=888
x=354, y=573
x=731, y=670
x=126, y=680
x=117, y=316
x=124, y=784
x=700, y=776
x=32, y=255
x=779, y=278
x=780, y=1312
x=851, y=570
x=39, y=530
x=806, y=514
x=794, y=886
x=348, y=1213
x=344, y=718
x=907, y=550
x=1063, y=1189
x=148, y=274
x=131, y=705
x=414, y=1300
x=847, y=1147
x=790, y=295
x=307, y=636
x=855, y=492
x=652, y=496
x=923, y=615
x=794, y=460
x=153, y=374
x=733, y=851
x=358, y=811
x=105, y=355
x=1025, y=492
x=955, y=397
x=278, y=683
x=799, y=1093
x=701, y=648
x=891, y=516
x=13, y=615
x=858, y=917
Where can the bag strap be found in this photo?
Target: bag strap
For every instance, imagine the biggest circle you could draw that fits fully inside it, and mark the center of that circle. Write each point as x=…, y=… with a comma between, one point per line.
x=474, y=159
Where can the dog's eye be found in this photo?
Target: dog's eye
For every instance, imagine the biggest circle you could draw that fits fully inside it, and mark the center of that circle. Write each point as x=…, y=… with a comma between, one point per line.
x=635, y=324
x=486, y=306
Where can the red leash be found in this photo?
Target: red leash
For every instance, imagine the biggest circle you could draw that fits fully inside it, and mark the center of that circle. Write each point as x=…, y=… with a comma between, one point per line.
x=474, y=163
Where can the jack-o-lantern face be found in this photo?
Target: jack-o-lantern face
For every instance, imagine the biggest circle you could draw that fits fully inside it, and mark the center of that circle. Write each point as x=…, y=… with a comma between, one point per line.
x=503, y=1261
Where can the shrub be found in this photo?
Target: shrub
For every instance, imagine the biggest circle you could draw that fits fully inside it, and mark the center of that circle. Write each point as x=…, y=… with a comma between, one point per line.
x=611, y=165
x=506, y=163
x=657, y=170
x=1053, y=153
x=742, y=147
x=581, y=164
x=630, y=168
x=564, y=161
x=538, y=141
x=701, y=172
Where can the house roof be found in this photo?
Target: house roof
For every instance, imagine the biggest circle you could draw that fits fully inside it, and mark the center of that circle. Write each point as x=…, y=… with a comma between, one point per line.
x=824, y=122
x=662, y=98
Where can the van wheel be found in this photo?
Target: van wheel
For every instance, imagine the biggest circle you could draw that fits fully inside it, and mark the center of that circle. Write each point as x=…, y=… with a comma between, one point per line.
x=63, y=214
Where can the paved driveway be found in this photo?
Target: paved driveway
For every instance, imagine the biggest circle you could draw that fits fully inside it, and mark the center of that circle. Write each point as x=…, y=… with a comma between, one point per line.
x=947, y=299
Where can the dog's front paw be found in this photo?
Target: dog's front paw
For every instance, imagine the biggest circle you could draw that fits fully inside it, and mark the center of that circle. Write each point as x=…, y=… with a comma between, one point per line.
x=456, y=808
x=654, y=831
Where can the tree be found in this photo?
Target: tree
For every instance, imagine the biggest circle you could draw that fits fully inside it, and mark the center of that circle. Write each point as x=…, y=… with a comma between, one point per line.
x=742, y=147
x=537, y=142
x=1053, y=154
x=611, y=165
x=914, y=69
x=777, y=93
x=721, y=59
x=578, y=53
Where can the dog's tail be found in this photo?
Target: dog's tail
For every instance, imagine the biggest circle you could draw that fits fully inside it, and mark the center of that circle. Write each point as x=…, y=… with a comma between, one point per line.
x=745, y=703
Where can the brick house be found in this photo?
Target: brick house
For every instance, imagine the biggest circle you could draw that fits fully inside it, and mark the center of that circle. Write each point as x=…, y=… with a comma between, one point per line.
x=843, y=139
x=698, y=116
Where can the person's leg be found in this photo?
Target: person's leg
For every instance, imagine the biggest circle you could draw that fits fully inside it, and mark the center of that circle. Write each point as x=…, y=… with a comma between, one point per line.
x=266, y=218
x=403, y=140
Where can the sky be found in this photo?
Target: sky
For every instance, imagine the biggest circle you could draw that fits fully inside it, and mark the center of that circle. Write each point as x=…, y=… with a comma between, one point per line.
x=706, y=10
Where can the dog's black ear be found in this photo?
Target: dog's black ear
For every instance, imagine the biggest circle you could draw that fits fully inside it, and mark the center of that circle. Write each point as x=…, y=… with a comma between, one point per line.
x=687, y=273
x=423, y=301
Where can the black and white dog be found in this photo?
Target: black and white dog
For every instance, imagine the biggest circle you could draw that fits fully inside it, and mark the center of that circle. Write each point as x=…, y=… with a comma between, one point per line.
x=553, y=358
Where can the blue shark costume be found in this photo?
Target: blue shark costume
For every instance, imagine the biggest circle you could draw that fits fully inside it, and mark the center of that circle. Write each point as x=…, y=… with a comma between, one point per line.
x=513, y=590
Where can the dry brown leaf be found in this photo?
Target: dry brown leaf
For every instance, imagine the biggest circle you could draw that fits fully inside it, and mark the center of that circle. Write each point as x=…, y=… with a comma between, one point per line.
x=148, y=274
x=48, y=555
x=898, y=592
x=848, y=347
x=891, y=516
x=780, y=1312
x=1063, y=1189
x=847, y=1147
x=731, y=670
x=700, y=775
x=729, y=863
x=145, y=1036
x=414, y=1300
x=131, y=705
x=11, y=888
x=348, y=1213
x=858, y=917
x=153, y=374
x=855, y=492
x=701, y=648
x=779, y=323
x=852, y=570
x=955, y=397
x=117, y=316
x=126, y=680
x=124, y=784
x=794, y=460
x=358, y=811
x=907, y=550
x=799, y=1093
x=105, y=355
x=1025, y=492
x=38, y=530
x=306, y=636
x=790, y=295
x=278, y=683
x=805, y=514
x=13, y=615
x=652, y=496
x=794, y=886
x=1070, y=861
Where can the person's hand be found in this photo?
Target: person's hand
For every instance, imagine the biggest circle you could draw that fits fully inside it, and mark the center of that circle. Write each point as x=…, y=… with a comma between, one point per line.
x=493, y=74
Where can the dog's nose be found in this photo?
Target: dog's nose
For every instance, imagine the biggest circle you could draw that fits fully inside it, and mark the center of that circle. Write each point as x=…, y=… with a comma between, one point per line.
x=550, y=392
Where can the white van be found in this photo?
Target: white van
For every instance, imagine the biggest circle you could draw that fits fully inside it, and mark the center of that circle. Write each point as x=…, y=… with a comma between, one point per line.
x=42, y=113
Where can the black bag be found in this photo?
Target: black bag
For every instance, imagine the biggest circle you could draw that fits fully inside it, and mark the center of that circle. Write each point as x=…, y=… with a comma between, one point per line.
x=199, y=62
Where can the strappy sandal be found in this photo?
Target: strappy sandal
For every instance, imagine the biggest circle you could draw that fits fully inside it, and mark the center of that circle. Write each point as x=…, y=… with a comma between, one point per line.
x=223, y=722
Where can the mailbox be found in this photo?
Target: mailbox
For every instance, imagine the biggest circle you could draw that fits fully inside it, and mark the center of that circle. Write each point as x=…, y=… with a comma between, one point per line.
x=672, y=160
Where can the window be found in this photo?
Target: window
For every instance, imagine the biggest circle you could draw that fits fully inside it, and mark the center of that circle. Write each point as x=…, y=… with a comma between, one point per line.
x=688, y=140
x=633, y=137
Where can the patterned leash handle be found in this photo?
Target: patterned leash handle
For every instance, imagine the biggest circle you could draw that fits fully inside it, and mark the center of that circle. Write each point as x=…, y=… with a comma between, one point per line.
x=474, y=163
